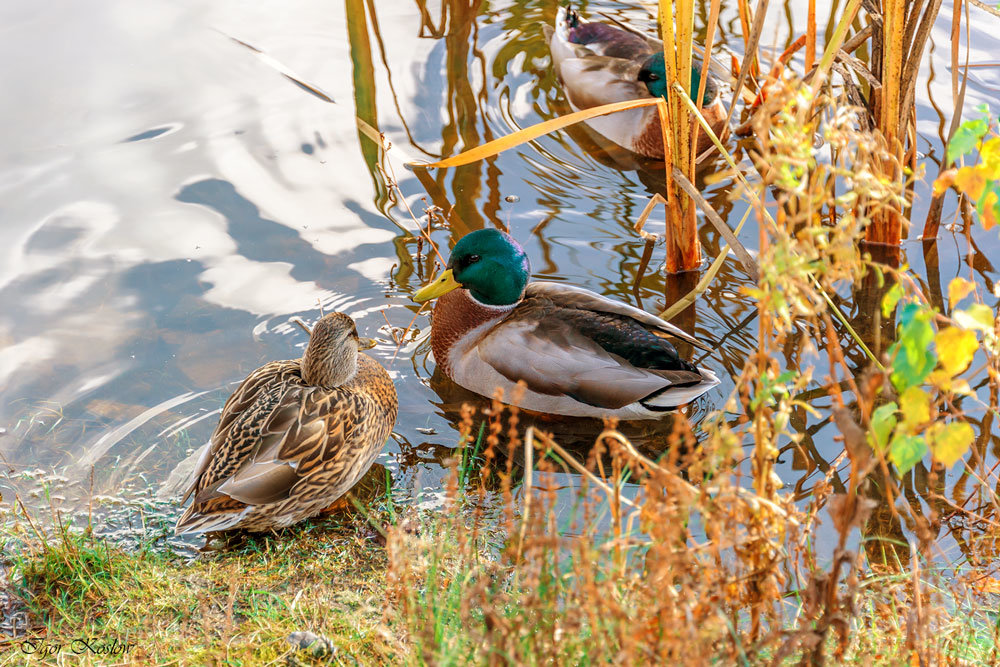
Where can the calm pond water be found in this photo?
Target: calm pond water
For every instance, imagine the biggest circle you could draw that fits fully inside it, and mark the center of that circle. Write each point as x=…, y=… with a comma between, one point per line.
x=170, y=200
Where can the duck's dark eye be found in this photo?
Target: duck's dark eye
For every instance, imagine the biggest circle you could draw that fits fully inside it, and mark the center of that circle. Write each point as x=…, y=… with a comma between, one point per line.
x=652, y=77
x=473, y=259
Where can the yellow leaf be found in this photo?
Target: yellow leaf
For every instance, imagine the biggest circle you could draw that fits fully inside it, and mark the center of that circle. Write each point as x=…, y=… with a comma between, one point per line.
x=977, y=316
x=940, y=380
x=989, y=216
x=955, y=348
x=916, y=408
x=950, y=442
x=962, y=387
x=958, y=289
x=491, y=148
x=971, y=181
x=944, y=181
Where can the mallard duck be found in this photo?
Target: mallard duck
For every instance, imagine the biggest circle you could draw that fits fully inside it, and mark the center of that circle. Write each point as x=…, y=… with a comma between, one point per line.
x=599, y=63
x=578, y=353
x=295, y=436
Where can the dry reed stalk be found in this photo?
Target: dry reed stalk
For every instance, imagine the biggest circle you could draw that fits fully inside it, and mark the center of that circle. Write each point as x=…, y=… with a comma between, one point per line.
x=713, y=22
x=683, y=248
x=904, y=35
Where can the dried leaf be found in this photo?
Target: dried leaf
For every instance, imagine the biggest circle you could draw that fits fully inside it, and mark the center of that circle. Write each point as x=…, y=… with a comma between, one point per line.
x=854, y=436
x=847, y=515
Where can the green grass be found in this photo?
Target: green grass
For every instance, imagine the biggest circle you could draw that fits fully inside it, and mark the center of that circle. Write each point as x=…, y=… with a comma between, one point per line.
x=234, y=607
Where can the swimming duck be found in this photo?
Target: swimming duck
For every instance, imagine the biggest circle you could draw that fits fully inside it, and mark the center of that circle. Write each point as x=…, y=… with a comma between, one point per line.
x=579, y=354
x=295, y=436
x=599, y=63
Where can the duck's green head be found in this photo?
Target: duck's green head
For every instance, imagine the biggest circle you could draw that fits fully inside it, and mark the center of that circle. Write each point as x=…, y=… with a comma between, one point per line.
x=488, y=263
x=654, y=75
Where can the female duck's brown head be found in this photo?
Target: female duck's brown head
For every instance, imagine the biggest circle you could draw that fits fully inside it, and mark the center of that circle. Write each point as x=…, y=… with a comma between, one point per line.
x=331, y=358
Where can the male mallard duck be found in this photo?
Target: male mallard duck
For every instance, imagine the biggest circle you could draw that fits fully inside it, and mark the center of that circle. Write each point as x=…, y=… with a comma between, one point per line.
x=295, y=436
x=579, y=353
x=599, y=63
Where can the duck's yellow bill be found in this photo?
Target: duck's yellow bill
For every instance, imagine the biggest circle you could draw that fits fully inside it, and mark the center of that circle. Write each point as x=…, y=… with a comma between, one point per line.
x=366, y=343
x=443, y=284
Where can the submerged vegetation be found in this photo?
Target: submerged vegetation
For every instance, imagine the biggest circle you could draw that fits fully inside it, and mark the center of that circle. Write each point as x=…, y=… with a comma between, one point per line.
x=703, y=555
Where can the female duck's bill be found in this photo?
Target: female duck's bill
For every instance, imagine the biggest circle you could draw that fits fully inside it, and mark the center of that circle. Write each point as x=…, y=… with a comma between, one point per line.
x=577, y=352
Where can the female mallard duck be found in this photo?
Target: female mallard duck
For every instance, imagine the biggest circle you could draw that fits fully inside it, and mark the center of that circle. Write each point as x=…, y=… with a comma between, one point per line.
x=295, y=436
x=600, y=63
x=578, y=353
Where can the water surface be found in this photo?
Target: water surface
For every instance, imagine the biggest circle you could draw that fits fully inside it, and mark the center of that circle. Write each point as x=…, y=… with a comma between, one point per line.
x=169, y=200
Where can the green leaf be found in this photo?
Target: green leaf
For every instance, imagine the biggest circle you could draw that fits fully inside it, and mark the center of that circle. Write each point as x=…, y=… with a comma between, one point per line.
x=912, y=355
x=966, y=138
x=891, y=298
x=906, y=451
x=955, y=348
x=950, y=442
x=909, y=313
x=883, y=421
x=977, y=316
x=916, y=408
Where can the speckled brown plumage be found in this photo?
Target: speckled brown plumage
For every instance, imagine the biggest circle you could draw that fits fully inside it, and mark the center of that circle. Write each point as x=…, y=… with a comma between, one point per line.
x=285, y=449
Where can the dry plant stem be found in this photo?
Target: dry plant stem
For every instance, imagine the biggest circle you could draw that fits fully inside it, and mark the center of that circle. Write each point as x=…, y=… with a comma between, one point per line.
x=529, y=466
x=915, y=56
x=576, y=465
x=762, y=210
x=686, y=487
x=647, y=254
x=713, y=23
x=847, y=325
x=741, y=253
x=305, y=327
x=683, y=248
x=886, y=226
x=705, y=281
x=833, y=46
x=282, y=69
x=749, y=57
x=684, y=302
x=640, y=223
x=402, y=337
x=856, y=40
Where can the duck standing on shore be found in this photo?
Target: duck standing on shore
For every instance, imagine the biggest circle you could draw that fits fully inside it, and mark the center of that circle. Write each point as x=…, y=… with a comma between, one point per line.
x=600, y=63
x=578, y=353
x=295, y=436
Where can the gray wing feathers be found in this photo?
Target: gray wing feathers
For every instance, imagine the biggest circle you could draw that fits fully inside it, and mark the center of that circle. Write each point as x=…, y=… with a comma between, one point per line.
x=577, y=297
x=553, y=359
